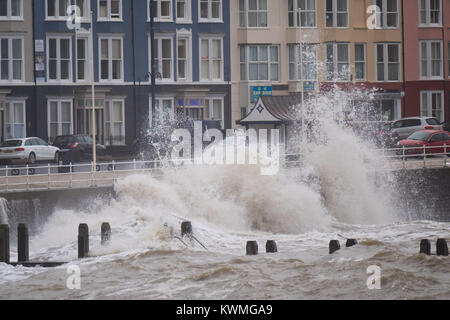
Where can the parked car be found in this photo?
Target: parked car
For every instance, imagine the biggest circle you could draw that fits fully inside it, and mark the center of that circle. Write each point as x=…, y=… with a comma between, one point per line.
x=438, y=139
x=446, y=126
x=403, y=128
x=81, y=144
x=28, y=150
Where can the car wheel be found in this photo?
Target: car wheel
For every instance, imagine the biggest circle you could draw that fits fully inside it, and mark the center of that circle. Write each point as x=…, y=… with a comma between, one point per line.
x=31, y=158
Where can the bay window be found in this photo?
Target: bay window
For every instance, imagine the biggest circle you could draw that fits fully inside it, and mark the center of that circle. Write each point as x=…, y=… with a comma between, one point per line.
x=57, y=9
x=164, y=111
x=430, y=12
x=302, y=13
x=211, y=59
x=11, y=59
x=336, y=13
x=360, y=61
x=214, y=110
x=109, y=10
x=387, y=16
x=210, y=10
x=432, y=104
x=163, y=57
x=303, y=62
x=60, y=118
x=59, y=58
x=183, y=11
x=259, y=62
x=114, y=122
x=15, y=120
x=337, y=61
x=184, y=65
x=163, y=10
x=111, y=59
x=431, y=59
x=11, y=9
x=253, y=13
x=387, y=61
x=82, y=59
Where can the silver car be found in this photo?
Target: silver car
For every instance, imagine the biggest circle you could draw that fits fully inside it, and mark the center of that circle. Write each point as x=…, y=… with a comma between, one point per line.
x=403, y=128
x=27, y=150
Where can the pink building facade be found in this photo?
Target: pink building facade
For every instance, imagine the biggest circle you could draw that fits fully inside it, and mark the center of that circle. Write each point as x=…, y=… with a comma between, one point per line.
x=426, y=57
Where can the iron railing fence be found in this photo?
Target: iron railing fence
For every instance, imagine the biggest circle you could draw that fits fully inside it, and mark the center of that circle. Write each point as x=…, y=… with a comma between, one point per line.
x=81, y=175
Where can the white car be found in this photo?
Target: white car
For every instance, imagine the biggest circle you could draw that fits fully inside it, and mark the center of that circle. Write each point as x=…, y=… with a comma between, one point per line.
x=403, y=128
x=28, y=150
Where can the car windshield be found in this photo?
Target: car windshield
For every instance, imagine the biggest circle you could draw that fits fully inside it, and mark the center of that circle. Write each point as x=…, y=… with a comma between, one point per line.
x=398, y=124
x=11, y=143
x=432, y=121
x=63, y=140
x=419, y=136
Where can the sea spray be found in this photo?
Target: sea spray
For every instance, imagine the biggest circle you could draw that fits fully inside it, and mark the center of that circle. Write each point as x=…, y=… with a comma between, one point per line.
x=334, y=184
x=345, y=164
x=233, y=198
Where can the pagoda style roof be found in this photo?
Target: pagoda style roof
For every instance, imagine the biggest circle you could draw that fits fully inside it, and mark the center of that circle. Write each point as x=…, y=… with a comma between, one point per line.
x=273, y=110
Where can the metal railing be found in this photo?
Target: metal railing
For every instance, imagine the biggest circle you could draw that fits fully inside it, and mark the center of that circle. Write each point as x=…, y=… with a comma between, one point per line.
x=81, y=175
x=78, y=175
x=420, y=157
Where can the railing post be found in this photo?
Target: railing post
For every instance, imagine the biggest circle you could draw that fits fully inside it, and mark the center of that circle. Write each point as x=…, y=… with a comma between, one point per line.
x=83, y=241
x=92, y=174
x=134, y=164
x=424, y=157
x=105, y=233
x=4, y=243
x=7, y=184
x=48, y=176
x=70, y=176
x=28, y=179
x=404, y=157
x=446, y=155
x=23, y=254
x=114, y=171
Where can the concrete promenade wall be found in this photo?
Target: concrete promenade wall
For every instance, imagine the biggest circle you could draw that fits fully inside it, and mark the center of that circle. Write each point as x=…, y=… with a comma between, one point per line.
x=421, y=194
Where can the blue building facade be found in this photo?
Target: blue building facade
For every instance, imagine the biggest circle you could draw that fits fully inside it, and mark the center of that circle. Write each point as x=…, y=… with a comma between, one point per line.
x=192, y=54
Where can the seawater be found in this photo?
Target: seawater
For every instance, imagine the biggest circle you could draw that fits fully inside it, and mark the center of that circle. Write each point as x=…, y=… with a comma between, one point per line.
x=335, y=194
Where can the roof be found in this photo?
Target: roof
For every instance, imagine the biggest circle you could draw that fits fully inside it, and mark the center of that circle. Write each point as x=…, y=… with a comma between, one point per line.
x=283, y=107
x=27, y=138
x=273, y=109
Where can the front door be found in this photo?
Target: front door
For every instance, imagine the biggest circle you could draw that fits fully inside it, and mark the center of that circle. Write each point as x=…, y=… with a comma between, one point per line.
x=84, y=123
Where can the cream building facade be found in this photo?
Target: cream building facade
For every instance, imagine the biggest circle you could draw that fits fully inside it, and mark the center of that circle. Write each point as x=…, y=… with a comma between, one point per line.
x=334, y=40
x=16, y=67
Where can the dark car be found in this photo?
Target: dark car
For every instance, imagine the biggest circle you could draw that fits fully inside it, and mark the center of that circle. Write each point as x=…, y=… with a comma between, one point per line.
x=81, y=144
x=446, y=126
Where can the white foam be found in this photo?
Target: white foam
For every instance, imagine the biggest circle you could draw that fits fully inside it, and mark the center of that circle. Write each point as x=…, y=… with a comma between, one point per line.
x=237, y=199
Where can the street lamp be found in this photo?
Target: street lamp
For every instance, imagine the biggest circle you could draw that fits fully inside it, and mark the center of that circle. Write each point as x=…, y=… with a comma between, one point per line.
x=302, y=100
x=94, y=143
x=152, y=73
